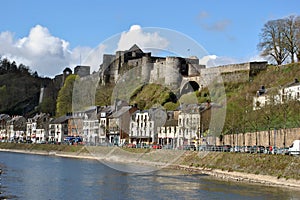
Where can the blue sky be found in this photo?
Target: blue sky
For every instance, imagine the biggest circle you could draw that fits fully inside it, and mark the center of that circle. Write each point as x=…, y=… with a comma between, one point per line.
x=229, y=30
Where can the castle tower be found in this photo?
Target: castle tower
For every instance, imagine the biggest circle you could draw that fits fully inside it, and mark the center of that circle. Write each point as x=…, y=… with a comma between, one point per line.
x=62, y=78
x=172, y=76
x=193, y=66
x=82, y=71
x=146, y=68
x=67, y=71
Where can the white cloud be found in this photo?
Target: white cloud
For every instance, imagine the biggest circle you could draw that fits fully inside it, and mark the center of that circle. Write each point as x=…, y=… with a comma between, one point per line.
x=214, y=60
x=136, y=35
x=205, y=59
x=49, y=55
x=256, y=58
x=41, y=51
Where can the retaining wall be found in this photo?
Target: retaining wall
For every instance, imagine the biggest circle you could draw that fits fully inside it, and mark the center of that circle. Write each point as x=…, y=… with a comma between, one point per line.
x=279, y=138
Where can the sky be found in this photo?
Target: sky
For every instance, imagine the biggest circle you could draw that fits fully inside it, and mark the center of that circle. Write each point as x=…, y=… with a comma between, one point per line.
x=48, y=36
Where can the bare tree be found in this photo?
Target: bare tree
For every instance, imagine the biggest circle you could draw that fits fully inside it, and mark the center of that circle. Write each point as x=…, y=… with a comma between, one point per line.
x=272, y=42
x=297, y=24
x=291, y=29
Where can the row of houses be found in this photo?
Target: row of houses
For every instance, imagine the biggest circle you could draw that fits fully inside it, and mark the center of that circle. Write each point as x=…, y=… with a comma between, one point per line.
x=116, y=125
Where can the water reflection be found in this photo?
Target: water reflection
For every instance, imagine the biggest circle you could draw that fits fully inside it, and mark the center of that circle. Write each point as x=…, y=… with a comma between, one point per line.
x=42, y=177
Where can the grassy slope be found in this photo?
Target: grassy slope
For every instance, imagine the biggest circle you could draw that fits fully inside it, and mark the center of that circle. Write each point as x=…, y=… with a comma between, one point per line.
x=264, y=164
x=152, y=94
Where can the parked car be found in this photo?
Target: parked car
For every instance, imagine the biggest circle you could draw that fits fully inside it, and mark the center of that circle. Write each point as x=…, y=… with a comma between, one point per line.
x=274, y=150
x=226, y=148
x=191, y=147
x=187, y=147
x=247, y=149
x=242, y=149
x=253, y=149
x=167, y=146
x=268, y=150
x=203, y=148
x=156, y=146
x=235, y=149
x=283, y=151
x=142, y=145
x=260, y=149
x=131, y=145
x=295, y=148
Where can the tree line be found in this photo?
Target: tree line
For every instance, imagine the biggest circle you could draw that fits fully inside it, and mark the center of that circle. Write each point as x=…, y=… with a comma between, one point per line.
x=20, y=90
x=280, y=40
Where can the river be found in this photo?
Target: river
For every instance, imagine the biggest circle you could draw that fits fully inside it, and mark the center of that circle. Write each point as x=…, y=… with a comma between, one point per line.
x=39, y=177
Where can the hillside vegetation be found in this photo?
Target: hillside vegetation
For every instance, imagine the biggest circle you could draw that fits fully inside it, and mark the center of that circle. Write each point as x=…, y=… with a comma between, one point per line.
x=149, y=95
x=20, y=90
x=240, y=115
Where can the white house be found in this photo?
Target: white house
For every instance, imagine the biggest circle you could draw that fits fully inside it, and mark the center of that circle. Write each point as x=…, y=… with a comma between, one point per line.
x=264, y=97
x=36, y=135
x=41, y=136
x=290, y=92
x=4, y=118
x=91, y=131
x=188, y=124
x=58, y=129
x=16, y=128
x=37, y=128
x=3, y=134
x=141, y=128
x=103, y=114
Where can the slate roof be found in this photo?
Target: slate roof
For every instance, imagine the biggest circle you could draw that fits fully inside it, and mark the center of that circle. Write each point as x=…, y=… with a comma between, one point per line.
x=135, y=48
x=120, y=112
x=60, y=120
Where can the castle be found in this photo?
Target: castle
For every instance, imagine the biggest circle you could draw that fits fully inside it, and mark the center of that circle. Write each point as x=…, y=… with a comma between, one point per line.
x=173, y=72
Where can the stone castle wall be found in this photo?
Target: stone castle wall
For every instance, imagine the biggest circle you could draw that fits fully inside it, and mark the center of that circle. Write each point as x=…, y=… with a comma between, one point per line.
x=234, y=73
x=170, y=71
